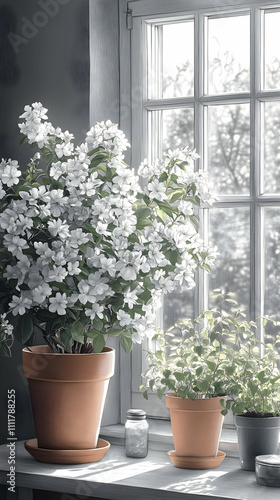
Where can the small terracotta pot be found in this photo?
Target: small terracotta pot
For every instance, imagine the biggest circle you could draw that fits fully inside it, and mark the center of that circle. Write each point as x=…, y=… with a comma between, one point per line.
x=196, y=425
x=67, y=393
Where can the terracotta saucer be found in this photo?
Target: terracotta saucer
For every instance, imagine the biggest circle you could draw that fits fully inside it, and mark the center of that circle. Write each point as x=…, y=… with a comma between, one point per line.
x=196, y=462
x=67, y=456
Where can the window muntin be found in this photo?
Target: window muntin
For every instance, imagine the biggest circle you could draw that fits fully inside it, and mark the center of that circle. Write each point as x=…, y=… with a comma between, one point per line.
x=248, y=185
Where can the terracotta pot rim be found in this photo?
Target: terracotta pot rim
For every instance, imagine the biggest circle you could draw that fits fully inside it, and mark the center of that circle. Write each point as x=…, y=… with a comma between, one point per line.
x=45, y=365
x=174, y=395
x=177, y=403
x=49, y=352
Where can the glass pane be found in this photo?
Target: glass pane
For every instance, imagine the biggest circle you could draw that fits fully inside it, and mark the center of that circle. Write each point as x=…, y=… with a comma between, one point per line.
x=177, y=59
x=230, y=231
x=178, y=128
x=228, y=54
x=272, y=50
x=271, y=167
x=170, y=129
x=272, y=265
x=229, y=148
x=177, y=306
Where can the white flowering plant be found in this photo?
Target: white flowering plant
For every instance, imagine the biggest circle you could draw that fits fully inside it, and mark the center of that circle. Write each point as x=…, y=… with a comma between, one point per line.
x=87, y=253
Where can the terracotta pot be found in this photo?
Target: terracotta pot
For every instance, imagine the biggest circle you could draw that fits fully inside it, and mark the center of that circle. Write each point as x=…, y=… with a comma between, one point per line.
x=196, y=425
x=67, y=393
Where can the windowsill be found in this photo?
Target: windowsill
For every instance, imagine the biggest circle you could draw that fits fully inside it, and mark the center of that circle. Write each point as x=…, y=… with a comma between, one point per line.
x=117, y=477
x=160, y=437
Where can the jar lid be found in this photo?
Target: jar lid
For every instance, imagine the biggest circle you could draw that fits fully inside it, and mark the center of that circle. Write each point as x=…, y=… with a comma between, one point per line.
x=270, y=460
x=136, y=414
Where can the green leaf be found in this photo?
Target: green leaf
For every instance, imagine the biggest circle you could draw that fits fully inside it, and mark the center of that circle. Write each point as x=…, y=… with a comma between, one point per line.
x=194, y=221
x=182, y=392
x=143, y=223
x=66, y=338
x=192, y=395
x=253, y=388
x=97, y=324
x=92, y=333
x=173, y=256
x=5, y=350
x=142, y=213
x=23, y=140
x=151, y=384
x=199, y=371
x=161, y=214
x=126, y=343
x=23, y=328
x=99, y=342
x=145, y=296
x=145, y=394
x=77, y=331
x=159, y=355
x=176, y=195
x=261, y=376
x=114, y=332
x=211, y=365
x=229, y=370
x=179, y=376
x=166, y=208
x=31, y=339
x=160, y=392
x=198, y=349
x=203, y=385
x=163, y=177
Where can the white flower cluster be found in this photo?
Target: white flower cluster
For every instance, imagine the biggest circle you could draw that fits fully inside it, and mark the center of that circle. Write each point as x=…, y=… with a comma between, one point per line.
x=107, y=135
x=6, y=328
x=89, y=246
x=9, y=175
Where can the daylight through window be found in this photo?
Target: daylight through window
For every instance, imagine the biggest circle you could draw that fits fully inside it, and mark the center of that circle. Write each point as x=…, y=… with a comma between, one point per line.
x=211, y=80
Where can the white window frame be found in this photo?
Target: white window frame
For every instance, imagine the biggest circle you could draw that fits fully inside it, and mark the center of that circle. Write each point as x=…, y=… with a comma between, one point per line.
x=133, y=65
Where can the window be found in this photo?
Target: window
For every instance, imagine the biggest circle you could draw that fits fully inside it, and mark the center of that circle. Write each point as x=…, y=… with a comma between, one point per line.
x=207, y=74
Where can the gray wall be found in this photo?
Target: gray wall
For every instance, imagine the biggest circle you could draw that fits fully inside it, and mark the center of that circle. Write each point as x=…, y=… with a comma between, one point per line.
x=51, y=63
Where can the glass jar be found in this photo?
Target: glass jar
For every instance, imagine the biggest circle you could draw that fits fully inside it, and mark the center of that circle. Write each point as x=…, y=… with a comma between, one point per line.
x=136, y=434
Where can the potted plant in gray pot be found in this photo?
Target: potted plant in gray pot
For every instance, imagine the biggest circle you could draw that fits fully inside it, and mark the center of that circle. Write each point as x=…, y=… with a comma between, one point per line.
x=255, y=397
x=194, y=360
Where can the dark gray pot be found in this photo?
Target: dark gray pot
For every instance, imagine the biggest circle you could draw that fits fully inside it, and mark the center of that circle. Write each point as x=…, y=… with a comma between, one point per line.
x=256, y=436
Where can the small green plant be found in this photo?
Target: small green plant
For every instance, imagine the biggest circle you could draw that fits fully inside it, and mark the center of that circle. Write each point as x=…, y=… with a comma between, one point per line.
x=217, y=354
x=255, y=388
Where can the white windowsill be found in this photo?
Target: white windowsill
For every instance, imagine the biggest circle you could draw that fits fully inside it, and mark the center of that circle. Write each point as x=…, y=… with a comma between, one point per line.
x=160, y=437
x=117, y=477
